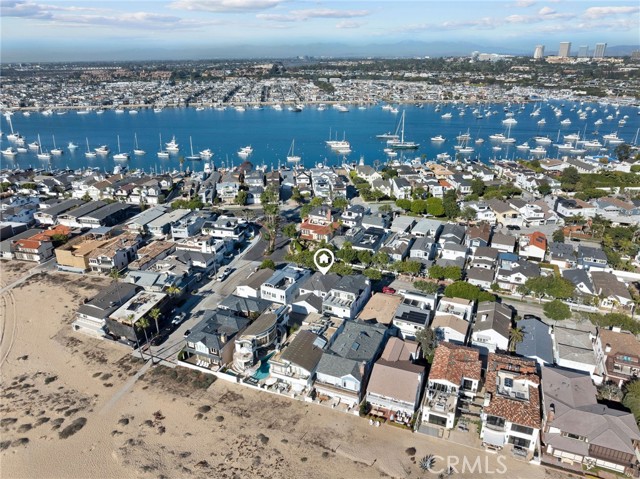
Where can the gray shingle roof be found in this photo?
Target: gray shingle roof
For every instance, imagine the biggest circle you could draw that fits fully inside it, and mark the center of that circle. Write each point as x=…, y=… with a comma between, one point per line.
x=536, y=342
x=303, y=351
x=359, y=341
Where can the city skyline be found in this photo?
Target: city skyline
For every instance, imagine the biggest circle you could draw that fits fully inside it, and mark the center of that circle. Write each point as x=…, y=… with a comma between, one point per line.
x=184, y=29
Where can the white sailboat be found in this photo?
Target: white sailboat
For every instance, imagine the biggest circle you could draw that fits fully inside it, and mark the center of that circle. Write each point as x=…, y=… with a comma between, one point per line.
x=120, y=156
x=55, y=151
x=192, y=157
x=162, y=154
x=291, y=157
x=508, y=139
x=89, y=153
x=42, y=155
x=137, y=150
x=403, y=145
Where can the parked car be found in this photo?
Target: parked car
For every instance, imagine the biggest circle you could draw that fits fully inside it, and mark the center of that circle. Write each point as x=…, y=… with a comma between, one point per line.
x=388, y=290
x=224, y=274
x=530, y=316
x=179, y=319
x=513, y=228
x=187, y=333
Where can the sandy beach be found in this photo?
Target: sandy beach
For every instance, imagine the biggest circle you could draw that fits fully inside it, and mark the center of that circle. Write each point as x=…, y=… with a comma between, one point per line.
x=75, y=407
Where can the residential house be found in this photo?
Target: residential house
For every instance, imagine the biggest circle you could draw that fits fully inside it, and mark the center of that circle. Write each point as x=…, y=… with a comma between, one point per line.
x=450, y=328
x=478, y=236
x=580, y=431
x=454, y=252
x=320, y=225
x=456, y=372
x=367, y=173
x=423, y=249
x=591, y=258
x=561, y=254
x=568, y=208
x=369, y=239
x=400, y=188
x=492, y=327
x=414, y=313
x=396, y=383
x=226, y=228
x=573, y=349
x=484, y=213
x=352, y=215
x=482, y=277
x=581, y=280
x=516, y=274
x=462, y=308
x=618, y=355
x=91, y=316
x=283, y=285
x=48, y=215
x=505, y=213
x=250, y=288
x=427, y=227
x=533, y=246
x=108, y=215
x=319, y=284
x=484, y=257
x=537, y=343
x=123, y=322
x=452, y=233
x=612, y=292
x=503, y=242
x=511, y=412
x=228, y=187
x=344, y=368
x=116, y=254
x=161, y=225
x=296, y=363
x=402, y=224
x=381, y=308
x=398, y=246
x=140, y=222
x=187, y=226
x=347, y=297
x=39, y=247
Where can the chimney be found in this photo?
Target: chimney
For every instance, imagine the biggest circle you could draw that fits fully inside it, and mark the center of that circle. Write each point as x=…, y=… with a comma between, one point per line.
x=607, y=348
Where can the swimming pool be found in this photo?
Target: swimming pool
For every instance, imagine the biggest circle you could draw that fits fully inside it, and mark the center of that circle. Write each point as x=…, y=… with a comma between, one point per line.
x=263, y=370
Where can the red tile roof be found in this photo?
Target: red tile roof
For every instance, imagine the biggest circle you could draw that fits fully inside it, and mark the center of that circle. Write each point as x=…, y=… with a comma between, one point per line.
x=452, y=362
x=538, y=239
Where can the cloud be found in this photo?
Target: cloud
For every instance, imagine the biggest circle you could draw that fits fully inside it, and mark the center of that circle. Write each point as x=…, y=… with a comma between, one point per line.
x=600, y=12
x=524, y=3
x=306, y=14
x=225, y=6
x=546, y=11
x=349, y=24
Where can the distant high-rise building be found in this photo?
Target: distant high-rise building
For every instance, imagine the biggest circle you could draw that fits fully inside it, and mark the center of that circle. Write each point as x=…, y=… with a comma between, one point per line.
x=583, y=51
x=565, y=49
x=538, y=54
x=599, y=51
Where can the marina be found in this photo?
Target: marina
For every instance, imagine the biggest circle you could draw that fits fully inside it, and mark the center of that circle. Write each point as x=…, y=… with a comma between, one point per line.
x=224, y=134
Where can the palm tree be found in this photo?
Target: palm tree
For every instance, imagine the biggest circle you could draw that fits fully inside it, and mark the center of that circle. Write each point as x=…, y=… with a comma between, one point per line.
x=173, y=290
x=115, y=275
x=516, y=335
x=143, y=323
x=155, y=315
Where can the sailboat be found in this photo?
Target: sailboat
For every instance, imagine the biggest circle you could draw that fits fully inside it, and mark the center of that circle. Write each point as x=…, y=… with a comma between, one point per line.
x=162, y=154
x=120, y=155
x=89, y=153
x=42, y=155
x=403, y=145
x=192, y=157
x=137, y=151
x=291, y=157
x=508, y=139
x=55, y=151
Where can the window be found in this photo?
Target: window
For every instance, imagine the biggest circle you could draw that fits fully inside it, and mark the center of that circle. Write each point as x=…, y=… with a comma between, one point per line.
x=574, y=436
x=522, y=429
x=508, y=382
x=519, y=442
x=495, y=421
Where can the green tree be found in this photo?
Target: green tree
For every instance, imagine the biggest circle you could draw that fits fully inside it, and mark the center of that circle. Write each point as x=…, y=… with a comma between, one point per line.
x=632, y=397
x=516, y=335
x=155, y=315
x=436, y=272
x=373, y=274
x=297, y=196
x=342, y=269
x=558, y=235
x=468, y=213
x=317, y=201
x=290, y=230
x=435, y=206
x=241, y=198
x=268, y=264
x=270, y=199
x=347, y=253
x=623, y=152
x=365, y=257
x=143, y=324
x=305, y=210
x=340, y=203
x=427, y=287
x=450, y=204
x=544, y=189
x=404, y=204
x=557, y=310
x=385, y=209
x=452, y=272
x=462, y=289
x=428, y=342
x=569, y=178
x=380, y=259
x=478, y=187
x=115, y=275
x=377, y=195
x=419, y=207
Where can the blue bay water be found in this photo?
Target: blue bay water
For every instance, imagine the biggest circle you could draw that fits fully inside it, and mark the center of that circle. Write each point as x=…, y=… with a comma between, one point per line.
x=270, y=133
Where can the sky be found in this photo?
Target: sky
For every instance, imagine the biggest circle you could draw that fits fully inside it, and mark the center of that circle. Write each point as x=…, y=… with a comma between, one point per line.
x=58, y=30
